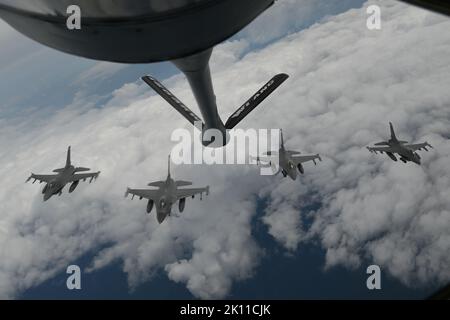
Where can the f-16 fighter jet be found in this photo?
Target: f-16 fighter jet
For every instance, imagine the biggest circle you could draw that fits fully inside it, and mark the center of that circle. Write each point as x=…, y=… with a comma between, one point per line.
x=55, y=183
x=289, y=161
x=166, y=195
x=407, y=152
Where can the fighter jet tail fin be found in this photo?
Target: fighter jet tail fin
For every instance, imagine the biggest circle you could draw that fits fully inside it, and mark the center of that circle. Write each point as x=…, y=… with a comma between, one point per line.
x=255, y=100
x=391, y=127
x=171, y=99
x=168, y=167
x=68, y=162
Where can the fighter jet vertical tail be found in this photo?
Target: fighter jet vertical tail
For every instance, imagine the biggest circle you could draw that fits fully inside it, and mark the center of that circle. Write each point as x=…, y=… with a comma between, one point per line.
x=255, y=100
x=68, y=162
x=168, y=168
x=393, y=137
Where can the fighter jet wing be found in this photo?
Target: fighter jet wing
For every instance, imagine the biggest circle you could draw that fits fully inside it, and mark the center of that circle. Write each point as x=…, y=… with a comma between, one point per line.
x=185, y=193
x=84, y=176
x=143, y=193
x=380, y=149
x=41, y=177
x=302, y=159
x=418, y=146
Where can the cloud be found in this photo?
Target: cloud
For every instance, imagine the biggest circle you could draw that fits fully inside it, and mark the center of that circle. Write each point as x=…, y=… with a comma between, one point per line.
x=99, y=71
x=346, y=83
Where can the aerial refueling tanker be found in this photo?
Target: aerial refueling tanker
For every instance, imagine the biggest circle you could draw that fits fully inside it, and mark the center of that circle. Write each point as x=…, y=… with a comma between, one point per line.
x=138, y=31
x=144, y=31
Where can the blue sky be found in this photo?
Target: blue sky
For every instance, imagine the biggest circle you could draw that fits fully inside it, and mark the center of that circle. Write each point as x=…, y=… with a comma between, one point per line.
x=353, y=209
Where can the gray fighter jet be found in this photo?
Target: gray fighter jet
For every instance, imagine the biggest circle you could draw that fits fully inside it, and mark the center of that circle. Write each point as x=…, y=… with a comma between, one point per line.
x=55, y=183
x=166, y=195
x=289, y=161
x=407, y=152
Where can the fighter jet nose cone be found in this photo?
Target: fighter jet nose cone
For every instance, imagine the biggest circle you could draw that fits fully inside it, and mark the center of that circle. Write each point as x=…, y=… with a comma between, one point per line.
x=137, y=31
x=160, y=216
x=293, y=174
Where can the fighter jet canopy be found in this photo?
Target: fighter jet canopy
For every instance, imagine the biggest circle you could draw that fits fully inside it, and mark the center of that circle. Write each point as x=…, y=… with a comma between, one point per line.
x=137, y=31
